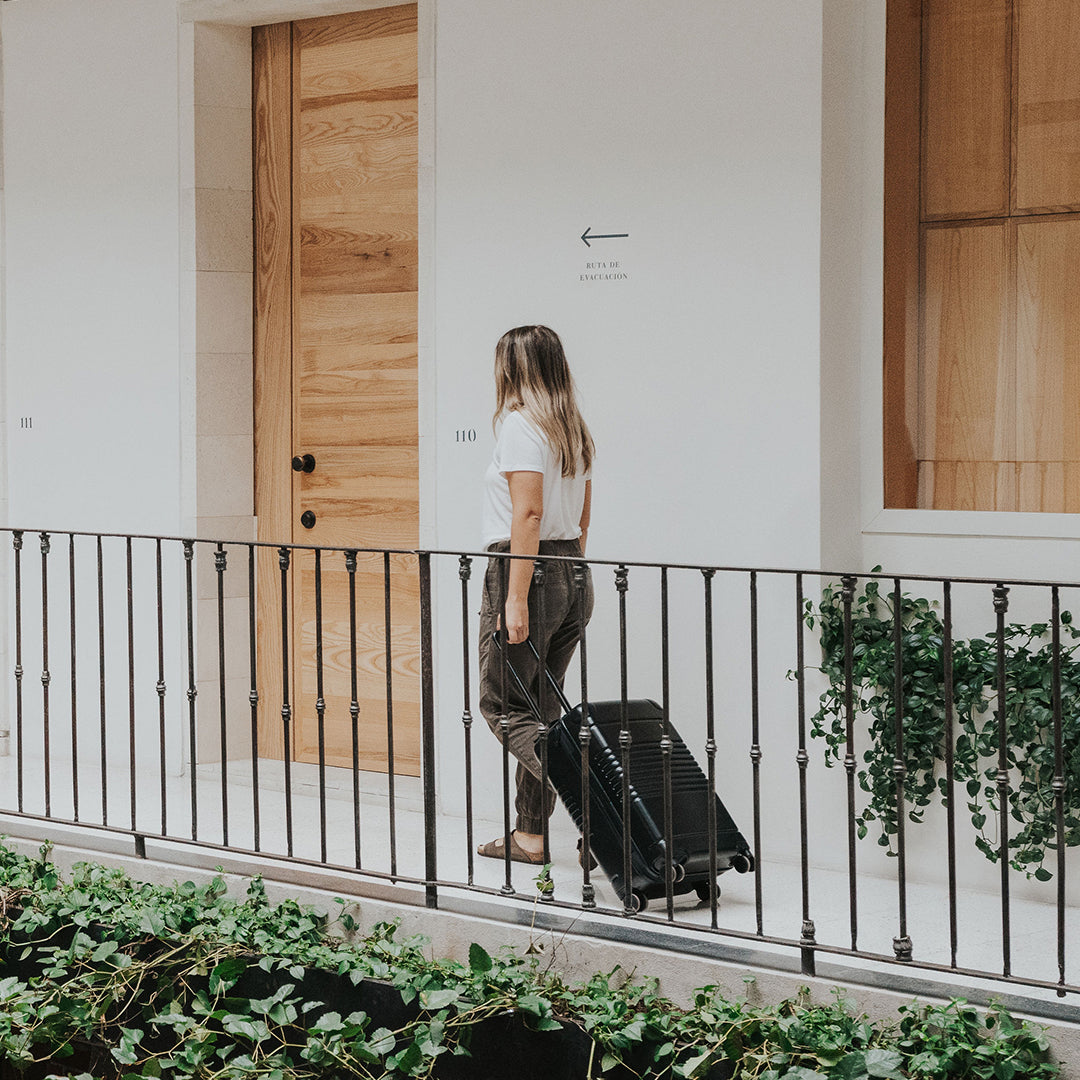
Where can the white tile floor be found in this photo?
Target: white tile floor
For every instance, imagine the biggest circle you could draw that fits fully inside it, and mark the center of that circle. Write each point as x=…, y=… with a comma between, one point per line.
x=1033, y=924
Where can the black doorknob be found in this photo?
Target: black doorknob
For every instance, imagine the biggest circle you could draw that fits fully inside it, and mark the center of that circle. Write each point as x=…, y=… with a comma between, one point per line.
x=307, y=519
x=303, y=464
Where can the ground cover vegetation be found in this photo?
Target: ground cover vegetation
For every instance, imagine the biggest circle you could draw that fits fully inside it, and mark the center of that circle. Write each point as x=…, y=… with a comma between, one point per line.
x=120, y=978
x=1030, y=800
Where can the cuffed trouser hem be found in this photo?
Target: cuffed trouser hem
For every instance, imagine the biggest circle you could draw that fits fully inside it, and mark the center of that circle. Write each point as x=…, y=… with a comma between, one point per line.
x=530, y=799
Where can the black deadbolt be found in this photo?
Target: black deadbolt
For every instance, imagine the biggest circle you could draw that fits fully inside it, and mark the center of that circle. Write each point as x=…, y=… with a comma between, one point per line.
x=303, y=464
x=307, y=519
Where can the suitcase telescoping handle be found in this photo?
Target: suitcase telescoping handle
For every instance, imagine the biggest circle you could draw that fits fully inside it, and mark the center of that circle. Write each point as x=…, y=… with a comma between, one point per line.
x=496, y=637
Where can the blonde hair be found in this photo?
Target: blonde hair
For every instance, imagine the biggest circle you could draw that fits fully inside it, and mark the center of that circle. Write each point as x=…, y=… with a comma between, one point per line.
x=531, y=374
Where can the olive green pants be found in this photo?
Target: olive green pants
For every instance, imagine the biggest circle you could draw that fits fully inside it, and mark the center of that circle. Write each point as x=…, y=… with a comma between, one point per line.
x=566, y=610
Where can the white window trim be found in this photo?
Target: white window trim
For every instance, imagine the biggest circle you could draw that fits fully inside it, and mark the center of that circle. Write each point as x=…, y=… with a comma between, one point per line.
x=989, y=523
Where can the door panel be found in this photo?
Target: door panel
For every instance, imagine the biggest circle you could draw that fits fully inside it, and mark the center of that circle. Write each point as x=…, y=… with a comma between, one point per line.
x=351, y=382
x=377, y=486
x=343, y=401
x=373, y=718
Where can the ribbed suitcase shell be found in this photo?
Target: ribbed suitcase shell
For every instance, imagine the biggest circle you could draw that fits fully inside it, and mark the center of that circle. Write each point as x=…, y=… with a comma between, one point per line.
x=690, y=842
x=689, y=800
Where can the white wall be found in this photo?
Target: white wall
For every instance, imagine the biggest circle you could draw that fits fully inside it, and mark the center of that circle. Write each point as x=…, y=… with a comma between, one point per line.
x=697, y=130
x=699, y=135
x=91, y=188
x=92, y=347
x=851, y=155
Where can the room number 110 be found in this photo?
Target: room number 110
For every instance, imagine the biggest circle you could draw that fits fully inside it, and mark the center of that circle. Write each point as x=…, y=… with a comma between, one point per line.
x=465, y=435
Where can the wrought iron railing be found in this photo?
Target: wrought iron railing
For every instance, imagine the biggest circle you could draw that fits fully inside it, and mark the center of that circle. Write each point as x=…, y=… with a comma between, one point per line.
x=219, y=761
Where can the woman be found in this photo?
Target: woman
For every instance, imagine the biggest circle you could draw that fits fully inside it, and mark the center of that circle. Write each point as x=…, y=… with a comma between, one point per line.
x=537, y=496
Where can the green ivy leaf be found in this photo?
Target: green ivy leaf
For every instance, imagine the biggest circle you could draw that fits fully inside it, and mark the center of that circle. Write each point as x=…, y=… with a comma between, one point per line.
x=884, y=1063
x=851, y=1066
x=225, y=976
x=239, y=1024
x=439, y=999
x=479, y=960
x=407, y=1060
x=329, y=1021
x=104, y=951
x=151, y=922
x=129, y=1039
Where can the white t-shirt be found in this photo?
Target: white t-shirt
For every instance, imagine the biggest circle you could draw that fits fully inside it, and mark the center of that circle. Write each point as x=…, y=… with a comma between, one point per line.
x=521, y=447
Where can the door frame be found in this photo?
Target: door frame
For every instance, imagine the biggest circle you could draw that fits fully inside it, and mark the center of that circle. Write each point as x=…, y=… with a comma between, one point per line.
x=217, y=300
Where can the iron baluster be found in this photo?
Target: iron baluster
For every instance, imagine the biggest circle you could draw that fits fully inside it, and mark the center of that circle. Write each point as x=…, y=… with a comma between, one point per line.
x=1058, y=785
x=74, y=681
x=220, y=563
x=354, y=705
x=132, y=806
x=665, y=749
x=1001, y=606
x=101, y=685
x=588, y=890
x=464, y=573
x=192, y=690
x=253, y=697
x=847, y=584
x=284, y=560
x=160, y=687
x=710, y=745
x=629, y=901
x=320, y=703
x=389, y=651
x=755, y=749
x=46, y=678
x=427, y=720
x=902, y=942
x=807, y=940
x=17, y=544
x=950, y=762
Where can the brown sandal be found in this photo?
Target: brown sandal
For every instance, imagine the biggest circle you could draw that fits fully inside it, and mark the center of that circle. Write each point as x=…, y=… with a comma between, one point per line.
x=496, y=849
x=581, y=852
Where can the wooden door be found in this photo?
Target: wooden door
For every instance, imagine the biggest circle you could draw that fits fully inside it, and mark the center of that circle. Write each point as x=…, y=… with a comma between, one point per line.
x=336, y=379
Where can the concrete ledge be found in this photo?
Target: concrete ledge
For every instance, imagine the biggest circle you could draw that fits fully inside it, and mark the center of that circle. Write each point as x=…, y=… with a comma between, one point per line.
x=576, y=944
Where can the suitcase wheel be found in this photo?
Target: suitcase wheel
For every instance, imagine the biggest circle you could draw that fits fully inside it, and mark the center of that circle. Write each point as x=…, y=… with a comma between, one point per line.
x=638, y=902
x=702, y=891
x=742, y=864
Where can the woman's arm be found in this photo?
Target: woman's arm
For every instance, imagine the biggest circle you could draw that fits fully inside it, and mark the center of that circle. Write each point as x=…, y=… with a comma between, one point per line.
x=527, y=502
x=586, y=515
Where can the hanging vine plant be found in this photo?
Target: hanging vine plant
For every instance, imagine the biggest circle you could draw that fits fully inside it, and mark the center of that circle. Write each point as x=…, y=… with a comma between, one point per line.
x=1029, y=720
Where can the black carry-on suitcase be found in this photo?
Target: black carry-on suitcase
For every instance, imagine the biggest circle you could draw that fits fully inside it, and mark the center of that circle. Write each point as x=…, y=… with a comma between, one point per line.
x=690, y=841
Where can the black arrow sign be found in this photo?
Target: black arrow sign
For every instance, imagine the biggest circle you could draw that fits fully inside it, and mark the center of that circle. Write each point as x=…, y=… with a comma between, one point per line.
x=586, y=236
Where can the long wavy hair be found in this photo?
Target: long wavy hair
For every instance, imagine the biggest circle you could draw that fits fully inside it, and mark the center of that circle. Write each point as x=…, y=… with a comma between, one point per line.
x=531, y=374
